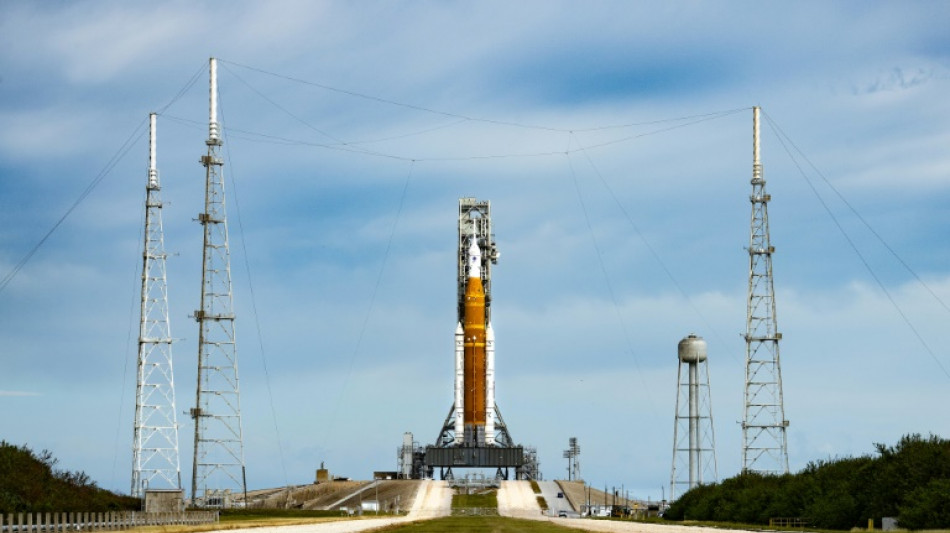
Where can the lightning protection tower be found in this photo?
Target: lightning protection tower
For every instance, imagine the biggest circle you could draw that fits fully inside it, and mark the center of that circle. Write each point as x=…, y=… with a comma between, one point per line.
x=155, y=460
x=218, y=468
x=694, y=441
x=764, y=442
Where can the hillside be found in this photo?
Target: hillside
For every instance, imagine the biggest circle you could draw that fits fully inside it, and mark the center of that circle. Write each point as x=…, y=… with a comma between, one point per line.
x=29, y=482
x=910, y=481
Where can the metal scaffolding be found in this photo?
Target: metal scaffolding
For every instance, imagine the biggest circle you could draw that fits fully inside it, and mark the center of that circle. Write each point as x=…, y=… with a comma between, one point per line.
x=155, y=459
x=573, y=463
x=218, y=468
x=764, y=441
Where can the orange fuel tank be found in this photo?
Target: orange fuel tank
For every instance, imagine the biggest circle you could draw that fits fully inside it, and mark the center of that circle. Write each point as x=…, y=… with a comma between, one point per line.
x=475, y=358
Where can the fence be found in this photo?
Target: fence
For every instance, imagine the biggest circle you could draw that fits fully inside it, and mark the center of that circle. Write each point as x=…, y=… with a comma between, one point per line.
x=799, y=523
x=111, y=521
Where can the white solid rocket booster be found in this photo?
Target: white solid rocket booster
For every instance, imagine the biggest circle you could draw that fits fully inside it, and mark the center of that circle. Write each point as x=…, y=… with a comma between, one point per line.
x=489, y=385
x=459, y=384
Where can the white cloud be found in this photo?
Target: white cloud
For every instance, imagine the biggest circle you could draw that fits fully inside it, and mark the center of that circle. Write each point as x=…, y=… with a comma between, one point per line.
x=317, y=222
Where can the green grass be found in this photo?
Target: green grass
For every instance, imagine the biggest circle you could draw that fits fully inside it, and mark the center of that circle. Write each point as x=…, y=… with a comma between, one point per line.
x=484, y=500
x=479, y=524
x=535, y=487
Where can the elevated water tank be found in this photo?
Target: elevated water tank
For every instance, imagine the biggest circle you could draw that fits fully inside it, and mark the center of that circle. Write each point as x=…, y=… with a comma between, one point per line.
x=692, y=349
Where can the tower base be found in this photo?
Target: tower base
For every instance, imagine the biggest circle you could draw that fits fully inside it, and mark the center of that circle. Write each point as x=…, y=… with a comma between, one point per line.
x=503, y=455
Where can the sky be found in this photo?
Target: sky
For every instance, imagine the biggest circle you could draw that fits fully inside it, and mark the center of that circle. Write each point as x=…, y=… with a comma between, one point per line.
x=614, y=141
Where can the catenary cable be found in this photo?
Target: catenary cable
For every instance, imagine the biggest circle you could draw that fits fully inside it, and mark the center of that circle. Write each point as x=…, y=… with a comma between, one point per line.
x=120, y=154
x=857, y=214
x=250, y=286
x=603, y=269
x=861, y=257
x=655, y=254
x=354, y=355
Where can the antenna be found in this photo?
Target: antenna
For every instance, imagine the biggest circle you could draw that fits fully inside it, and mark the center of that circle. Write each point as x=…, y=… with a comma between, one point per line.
x=764, y=440
x=218, y=468
x=155, y=460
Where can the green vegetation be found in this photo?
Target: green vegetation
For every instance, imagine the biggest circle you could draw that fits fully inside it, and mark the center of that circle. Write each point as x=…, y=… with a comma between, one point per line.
x=910, y=481
x=487, y=500
x=535, y=487
x=30, y=484
x=478, y=524
x=542, y=503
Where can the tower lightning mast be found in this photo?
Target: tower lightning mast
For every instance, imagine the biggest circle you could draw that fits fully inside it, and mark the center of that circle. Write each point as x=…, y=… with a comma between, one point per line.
x=155, y=460
x=764, y=442
x=218, y=467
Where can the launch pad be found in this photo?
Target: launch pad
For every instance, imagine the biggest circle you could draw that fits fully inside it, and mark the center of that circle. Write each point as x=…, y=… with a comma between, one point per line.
x=474, y=434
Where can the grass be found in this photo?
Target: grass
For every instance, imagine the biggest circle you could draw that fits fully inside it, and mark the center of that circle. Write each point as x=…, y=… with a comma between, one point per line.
x=542, y=503
x=478, y=524
x=487, y=500
x=535, y=487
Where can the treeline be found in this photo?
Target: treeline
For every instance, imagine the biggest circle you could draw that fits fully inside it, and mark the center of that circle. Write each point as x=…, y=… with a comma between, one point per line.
x=910, y=481
x=30, y=483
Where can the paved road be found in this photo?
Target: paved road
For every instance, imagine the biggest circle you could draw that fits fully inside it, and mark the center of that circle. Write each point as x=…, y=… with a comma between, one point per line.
x=516, y=499
x=550, y=490
x=433, y=499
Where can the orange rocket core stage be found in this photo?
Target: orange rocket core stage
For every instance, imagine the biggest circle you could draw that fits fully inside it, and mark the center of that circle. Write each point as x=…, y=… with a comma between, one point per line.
x=474, y=331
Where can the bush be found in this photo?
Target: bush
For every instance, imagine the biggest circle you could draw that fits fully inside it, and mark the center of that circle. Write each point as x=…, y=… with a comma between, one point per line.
x=910, y=480
x=31, y=484
x=927, y=507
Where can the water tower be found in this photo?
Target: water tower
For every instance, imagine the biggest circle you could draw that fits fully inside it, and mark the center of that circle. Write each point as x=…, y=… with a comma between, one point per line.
x=694, y=441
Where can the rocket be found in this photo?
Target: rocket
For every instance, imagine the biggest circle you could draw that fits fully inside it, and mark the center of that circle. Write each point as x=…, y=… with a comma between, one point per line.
x=474, y=362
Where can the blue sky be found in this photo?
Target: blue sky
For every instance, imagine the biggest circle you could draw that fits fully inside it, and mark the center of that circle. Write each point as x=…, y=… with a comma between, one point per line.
x=505, y=103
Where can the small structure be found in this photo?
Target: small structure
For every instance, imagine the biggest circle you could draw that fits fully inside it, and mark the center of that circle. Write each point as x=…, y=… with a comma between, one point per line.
x=323, y=475
x=164, y=500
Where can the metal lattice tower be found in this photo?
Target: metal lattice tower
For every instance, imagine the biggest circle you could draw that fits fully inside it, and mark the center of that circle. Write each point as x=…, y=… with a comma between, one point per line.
x=694, y=440
x=764, y=441
x=573, y=463
x=155, y=460
x=475, y=219
x=219, y=444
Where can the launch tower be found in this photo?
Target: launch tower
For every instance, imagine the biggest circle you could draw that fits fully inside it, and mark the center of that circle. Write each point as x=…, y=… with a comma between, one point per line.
x=218, y=468
x=155, y=460
x=474, y=434
x=764, y=442
x=694, y=441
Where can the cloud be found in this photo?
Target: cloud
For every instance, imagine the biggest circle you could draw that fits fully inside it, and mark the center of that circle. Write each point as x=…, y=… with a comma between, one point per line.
x=610, y=254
